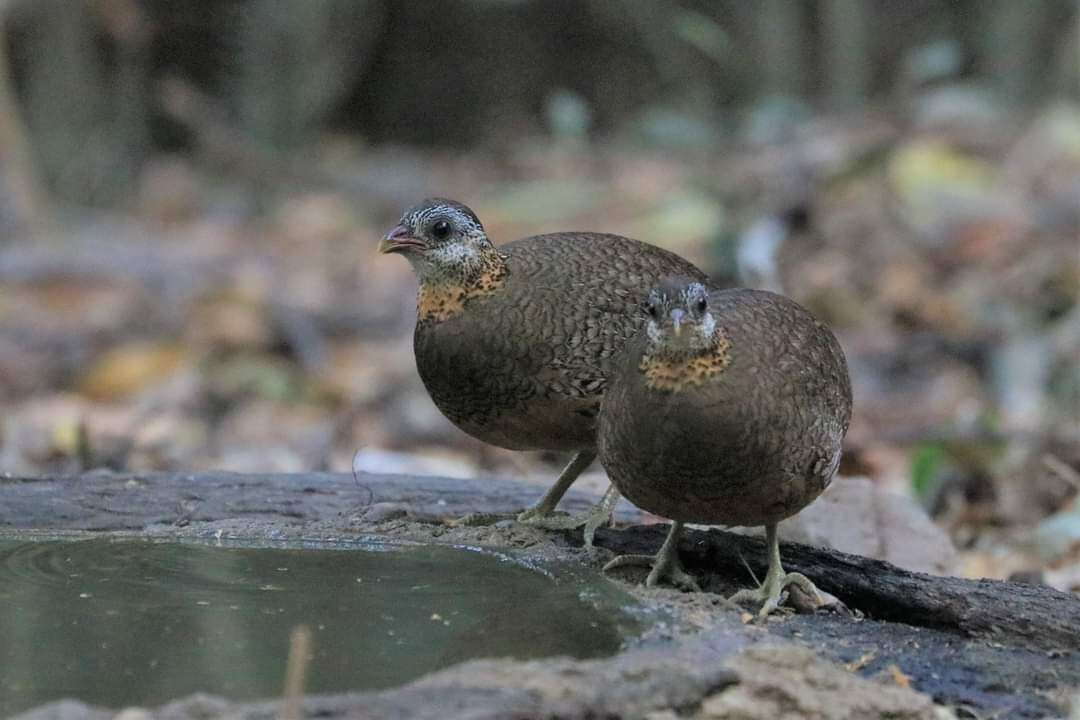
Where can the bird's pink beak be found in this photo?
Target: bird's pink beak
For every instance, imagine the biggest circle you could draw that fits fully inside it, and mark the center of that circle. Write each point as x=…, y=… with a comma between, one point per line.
x=400, y=239
x=678, y=317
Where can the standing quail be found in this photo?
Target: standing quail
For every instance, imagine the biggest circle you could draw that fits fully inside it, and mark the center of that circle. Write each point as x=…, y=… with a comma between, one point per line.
x=729, y=409
x=515, y=343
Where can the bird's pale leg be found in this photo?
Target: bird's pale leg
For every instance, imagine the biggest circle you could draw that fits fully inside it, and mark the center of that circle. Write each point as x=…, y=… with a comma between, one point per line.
x=665, y=564
x=551, y=498
x=602, y=513
x=771, y=591
x=541, y=514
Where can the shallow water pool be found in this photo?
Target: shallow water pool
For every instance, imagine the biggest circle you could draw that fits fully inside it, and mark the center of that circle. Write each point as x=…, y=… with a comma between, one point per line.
x=134, y=622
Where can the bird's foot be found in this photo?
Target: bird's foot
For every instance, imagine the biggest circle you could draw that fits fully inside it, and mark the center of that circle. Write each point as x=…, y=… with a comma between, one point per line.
x=480, y=519
x=664, y=567
x=539, y=517
x=590, y=520
x=595, y=517
x=772, y=592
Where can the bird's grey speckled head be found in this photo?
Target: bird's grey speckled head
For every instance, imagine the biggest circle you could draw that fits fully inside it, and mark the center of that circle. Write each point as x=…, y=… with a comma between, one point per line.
x=678, y=316
x=439, y=237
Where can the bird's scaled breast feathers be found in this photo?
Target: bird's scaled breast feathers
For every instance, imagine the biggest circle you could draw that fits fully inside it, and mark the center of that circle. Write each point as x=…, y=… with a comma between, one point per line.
x=677, y=374
x=443, y=300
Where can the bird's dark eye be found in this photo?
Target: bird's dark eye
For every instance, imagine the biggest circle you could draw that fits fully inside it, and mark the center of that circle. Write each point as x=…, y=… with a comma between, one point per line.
x=440, y=230
x=701, y=305
x=651, y=309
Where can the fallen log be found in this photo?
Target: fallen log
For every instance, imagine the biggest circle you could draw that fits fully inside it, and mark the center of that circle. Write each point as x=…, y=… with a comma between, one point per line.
x=1032, y=616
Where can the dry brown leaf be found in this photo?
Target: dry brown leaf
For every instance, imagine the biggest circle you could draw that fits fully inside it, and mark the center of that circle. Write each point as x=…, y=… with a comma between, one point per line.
x=130, y=368
x=860, y=662
x=899, y=677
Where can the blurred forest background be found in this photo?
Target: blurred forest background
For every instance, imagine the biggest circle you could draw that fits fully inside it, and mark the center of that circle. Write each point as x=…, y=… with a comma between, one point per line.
x=191, y=194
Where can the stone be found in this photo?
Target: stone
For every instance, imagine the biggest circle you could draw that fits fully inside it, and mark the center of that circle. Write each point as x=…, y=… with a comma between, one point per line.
x=794, y=683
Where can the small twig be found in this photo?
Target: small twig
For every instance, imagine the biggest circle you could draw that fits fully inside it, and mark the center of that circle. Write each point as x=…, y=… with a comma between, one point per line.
x=295, y=670
x=360, y=486
x=749, y=570
x=1062, y=469
x=83, y=451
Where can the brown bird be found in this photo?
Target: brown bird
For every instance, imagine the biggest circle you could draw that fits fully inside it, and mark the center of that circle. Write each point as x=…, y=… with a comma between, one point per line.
x=728, y=410
x=515, y=343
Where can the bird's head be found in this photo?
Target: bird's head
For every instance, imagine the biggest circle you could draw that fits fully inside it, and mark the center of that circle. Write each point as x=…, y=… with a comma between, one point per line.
x=679, y=320
x=440, y=238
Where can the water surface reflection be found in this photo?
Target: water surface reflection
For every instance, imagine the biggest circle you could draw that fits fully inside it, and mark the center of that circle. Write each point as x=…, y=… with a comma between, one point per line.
x=129, y=622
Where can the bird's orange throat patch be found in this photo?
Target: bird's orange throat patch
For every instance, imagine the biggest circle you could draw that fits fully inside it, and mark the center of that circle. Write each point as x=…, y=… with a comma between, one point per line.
x=675, y=374
x=438, y=301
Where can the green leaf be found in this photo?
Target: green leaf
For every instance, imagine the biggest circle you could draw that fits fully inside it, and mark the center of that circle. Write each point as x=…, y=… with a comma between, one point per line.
x=926, y=465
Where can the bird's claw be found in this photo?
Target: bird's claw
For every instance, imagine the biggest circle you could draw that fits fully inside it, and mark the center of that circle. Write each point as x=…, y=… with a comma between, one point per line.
x=771, y=593
x=661, y=569
x=596, y=517
x=548, y=519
